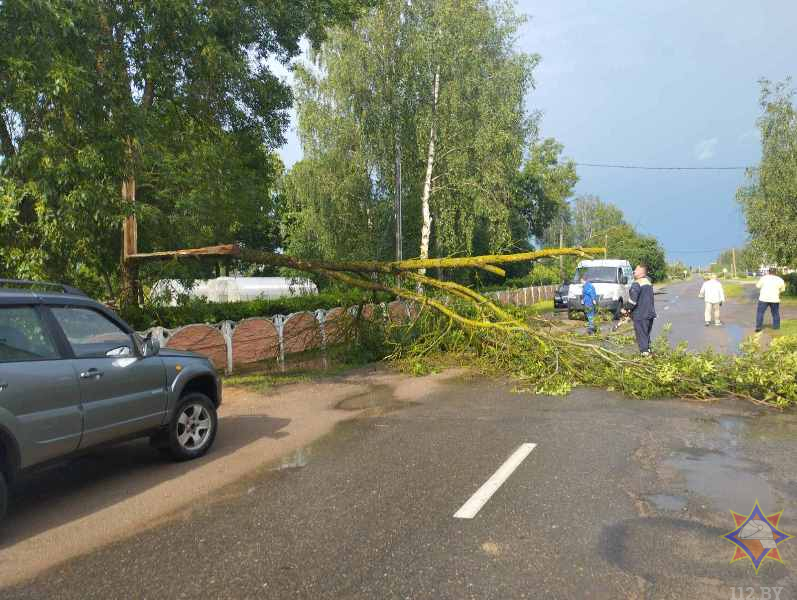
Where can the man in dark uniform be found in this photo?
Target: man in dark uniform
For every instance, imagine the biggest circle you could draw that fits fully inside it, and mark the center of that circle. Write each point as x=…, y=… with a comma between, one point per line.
x=642, y=309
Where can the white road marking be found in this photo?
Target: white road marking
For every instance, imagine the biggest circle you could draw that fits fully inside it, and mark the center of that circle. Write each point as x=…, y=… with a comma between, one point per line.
x=475, y=503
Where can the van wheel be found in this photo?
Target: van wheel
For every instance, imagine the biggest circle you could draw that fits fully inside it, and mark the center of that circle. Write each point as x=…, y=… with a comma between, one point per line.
x=193, y=427
x=3, y=496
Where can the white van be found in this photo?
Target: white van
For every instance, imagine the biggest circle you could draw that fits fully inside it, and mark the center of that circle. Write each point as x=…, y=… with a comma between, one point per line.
x=612, y=279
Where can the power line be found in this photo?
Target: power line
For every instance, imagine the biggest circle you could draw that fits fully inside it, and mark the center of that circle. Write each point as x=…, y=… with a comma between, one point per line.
x=697, y=251
x=644, y=168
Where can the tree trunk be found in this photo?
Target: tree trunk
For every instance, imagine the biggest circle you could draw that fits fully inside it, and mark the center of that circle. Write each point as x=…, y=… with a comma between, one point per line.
x=426, y=215
x=7, y=148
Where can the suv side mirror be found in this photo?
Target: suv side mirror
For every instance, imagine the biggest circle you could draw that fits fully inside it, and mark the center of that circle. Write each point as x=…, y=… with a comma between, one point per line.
x=151, y=346
x=624, y=280
x=148, y=346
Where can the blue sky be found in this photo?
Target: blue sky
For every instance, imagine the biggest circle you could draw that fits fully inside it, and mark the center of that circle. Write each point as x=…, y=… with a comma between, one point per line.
x=657, y=84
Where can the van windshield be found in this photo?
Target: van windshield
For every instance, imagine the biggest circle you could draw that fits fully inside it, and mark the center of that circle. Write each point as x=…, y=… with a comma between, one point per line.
x=597, y=274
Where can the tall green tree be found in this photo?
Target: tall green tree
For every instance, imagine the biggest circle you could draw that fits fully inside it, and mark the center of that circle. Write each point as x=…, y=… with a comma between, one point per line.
x=435, y=86
x=748, y=258
x=624, y=242
x=543, y=186
x=769, y=199
x=592, y=218
x=166, y=111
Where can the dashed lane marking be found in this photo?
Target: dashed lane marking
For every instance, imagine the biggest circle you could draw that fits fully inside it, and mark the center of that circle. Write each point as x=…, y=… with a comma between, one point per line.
x=475, y=503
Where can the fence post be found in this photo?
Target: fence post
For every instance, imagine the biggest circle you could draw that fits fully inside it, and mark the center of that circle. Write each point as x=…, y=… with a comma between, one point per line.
x=321, y=317
x=226, y=331
x=279, y=322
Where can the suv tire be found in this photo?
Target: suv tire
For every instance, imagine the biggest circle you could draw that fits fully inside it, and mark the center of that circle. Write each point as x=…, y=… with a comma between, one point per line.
x=193, y=427
x=3, y=495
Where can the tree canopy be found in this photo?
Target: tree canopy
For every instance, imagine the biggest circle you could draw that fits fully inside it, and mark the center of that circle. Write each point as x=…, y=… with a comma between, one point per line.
x=769, y=199
x=173, y=103
x=398, y=89
x=589, y=221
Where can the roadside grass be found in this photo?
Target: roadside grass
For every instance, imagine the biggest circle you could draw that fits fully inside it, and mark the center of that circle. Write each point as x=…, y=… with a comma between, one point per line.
x=543, y=306
x=787, y=327
x=262, y=382
x=788, y=300
x=733, y=289
x=307, y=366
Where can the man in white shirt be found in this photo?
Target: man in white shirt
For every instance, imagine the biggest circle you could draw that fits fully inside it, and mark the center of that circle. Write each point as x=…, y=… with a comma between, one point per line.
x=771, y=287
x=714, y=296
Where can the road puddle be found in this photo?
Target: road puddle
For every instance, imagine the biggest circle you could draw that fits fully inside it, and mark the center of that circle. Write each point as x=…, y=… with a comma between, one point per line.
x=294, y=460
x=714, y=465
x=668, y=503
x=735, y=337
x=376, y=401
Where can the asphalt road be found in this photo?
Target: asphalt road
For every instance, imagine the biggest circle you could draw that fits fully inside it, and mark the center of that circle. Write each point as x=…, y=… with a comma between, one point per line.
x=678, y=306
x=619, y=499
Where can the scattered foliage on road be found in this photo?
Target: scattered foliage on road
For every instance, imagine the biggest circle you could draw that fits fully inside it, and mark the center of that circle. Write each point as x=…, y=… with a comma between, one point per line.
x=549, y=359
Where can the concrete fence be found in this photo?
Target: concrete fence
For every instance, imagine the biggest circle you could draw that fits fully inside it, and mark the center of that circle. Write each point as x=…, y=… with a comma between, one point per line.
x=231, y=345
x=525, y=296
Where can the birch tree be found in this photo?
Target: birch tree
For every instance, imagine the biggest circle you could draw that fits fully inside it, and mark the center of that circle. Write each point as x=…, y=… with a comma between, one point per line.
x=443, y=79
x=769, y=199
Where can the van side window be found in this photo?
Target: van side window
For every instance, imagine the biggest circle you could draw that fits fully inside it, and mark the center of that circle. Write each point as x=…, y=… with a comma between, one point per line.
x=22, y=336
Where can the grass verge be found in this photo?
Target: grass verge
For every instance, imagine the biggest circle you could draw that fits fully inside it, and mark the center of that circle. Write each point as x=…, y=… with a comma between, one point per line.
x=787, y=327
x=733, y=289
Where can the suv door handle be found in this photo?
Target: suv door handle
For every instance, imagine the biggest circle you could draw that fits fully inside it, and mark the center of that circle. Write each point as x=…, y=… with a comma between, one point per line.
x=91, y=374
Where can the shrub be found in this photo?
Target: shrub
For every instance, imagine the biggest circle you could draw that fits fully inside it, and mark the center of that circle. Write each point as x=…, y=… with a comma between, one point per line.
x=791, y=284
x=541, y=274
x=197, y=310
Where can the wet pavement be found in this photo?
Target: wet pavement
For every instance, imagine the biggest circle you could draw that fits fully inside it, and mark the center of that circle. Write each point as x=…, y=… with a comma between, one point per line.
x=619, y=499
x=681, y=311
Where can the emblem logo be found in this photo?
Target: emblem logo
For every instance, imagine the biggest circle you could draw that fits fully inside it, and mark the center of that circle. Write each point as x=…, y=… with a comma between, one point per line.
x=757, y=537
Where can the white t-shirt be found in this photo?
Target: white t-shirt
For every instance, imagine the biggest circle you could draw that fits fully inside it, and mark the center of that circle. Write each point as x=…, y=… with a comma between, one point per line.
x=712, y=292
x=771, y=287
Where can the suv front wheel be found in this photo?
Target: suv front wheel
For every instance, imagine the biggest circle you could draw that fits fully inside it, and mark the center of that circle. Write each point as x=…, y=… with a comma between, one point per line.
x=193, y=427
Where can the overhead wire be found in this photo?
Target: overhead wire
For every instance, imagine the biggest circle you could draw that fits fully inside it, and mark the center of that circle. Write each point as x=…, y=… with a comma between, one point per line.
x=649, y=168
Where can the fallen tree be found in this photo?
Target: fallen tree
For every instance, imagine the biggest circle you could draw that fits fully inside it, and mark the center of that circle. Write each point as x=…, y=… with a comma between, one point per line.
x=456, y=324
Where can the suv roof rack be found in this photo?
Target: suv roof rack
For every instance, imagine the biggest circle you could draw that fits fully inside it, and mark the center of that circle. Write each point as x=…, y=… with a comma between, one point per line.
x=28, y=283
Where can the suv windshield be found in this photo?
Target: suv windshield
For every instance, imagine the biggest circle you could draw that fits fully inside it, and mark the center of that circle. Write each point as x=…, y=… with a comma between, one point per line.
x=597, y=274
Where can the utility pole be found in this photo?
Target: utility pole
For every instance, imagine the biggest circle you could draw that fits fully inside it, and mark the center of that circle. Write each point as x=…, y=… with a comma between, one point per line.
x=733, y=254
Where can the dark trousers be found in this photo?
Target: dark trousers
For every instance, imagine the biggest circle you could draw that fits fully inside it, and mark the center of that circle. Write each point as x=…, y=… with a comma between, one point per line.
x=589, y=312
x=762, y=309
x=642, y=329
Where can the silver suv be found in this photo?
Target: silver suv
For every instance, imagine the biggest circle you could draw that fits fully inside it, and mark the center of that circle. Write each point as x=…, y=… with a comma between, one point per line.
x=73, y=375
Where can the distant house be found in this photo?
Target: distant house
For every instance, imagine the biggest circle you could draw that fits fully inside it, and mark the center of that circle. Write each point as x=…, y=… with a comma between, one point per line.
x=233, y=289
x=764, y=269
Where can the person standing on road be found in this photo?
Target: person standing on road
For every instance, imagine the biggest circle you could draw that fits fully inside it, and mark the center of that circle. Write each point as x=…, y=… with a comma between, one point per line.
x=589, y=298
x=771, y=287
x=714, y=296
x=642, y=308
